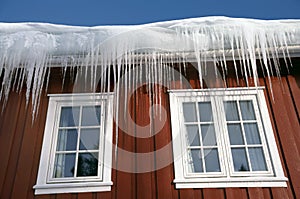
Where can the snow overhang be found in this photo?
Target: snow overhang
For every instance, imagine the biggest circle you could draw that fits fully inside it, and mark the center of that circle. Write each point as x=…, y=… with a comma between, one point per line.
x=34, y=47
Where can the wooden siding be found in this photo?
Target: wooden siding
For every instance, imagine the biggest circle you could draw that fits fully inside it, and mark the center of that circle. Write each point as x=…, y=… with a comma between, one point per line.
x=21, y=142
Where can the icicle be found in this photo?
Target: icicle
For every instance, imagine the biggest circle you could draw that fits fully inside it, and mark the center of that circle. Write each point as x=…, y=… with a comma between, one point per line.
x=27, y=50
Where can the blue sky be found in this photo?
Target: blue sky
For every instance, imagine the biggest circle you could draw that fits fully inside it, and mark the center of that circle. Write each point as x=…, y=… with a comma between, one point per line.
x=99, y=12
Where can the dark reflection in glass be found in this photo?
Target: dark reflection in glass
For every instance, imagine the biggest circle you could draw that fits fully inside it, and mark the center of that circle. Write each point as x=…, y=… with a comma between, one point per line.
x=69, y=116
x=67, y=140
x=91, y=116
x=197, y=160
x=212, y=160
x=193, y=135
x=252, y=134
x=205, y=111
x=189, y=112
x=89, y=139
x=208, y=135
x=231, y=111
x=87, y=164
x=257, y=159
x=64, y=165
x=235, y=134
x=247, y=110
x=239, y=159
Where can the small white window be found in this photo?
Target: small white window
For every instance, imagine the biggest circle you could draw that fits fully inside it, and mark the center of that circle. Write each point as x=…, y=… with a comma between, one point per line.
x=77, y=147
x=223, y=138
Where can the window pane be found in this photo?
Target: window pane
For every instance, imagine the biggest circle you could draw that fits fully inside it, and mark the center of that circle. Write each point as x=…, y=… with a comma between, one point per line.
x=64, y=165
x=257, y=159
x=193, y=135
x=231, y=111
x=205, y=111
x=239, y=159
x=87, y=164
x=211, y=160
x=252, y=133
x=89, y=139
x=67, y=140
x=247, y=110
x=69, y=116
x=235, y=134
x=208, y=135
x=197, y=160
x=189, y=112
x=91, y=116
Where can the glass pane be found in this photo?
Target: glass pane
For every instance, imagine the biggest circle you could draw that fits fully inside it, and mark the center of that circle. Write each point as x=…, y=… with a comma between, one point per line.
x=247, y=110
x=87, y=164
x=189, y=112
x=257, y=159
x=91, y=116
x=205, y=111
x=64, y=165
x=193, y=135
x=212, y=160
x=208, y=135
x=231, y=111
x=197, y=160
x=252, y=134
x=235, y=134
x=67, y=140
x=89, y=139
x=69, y=116
x=239, y=159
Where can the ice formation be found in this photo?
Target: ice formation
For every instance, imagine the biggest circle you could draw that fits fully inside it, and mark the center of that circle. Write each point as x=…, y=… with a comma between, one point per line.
x=27, y=50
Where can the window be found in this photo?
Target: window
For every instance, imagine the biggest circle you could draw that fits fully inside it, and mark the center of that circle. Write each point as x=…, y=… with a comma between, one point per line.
x=223, y=138
x=77, y=147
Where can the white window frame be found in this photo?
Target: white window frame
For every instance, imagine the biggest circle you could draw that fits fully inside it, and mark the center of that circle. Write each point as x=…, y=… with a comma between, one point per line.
x=46, y=184
x=274, y=177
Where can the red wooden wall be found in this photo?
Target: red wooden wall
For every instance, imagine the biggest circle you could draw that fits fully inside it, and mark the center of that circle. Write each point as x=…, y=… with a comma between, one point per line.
x=21, y=141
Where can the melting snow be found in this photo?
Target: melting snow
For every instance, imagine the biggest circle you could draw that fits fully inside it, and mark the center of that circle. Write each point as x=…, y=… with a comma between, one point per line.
x=27, y=50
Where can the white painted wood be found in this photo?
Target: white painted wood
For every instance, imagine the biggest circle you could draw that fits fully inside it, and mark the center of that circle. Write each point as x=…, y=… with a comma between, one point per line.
x=46, y=184
x=273, y=177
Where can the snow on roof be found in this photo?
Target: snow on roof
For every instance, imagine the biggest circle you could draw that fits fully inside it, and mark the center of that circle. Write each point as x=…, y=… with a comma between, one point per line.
x=36, y=46
x=206, y=33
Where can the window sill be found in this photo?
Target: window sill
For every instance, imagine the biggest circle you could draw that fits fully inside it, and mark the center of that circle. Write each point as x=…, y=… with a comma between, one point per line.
x=230, y=182
x=72, y=187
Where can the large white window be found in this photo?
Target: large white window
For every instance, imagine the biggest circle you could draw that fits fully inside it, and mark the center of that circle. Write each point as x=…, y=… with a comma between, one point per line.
x=223, y=138
x=77, y=147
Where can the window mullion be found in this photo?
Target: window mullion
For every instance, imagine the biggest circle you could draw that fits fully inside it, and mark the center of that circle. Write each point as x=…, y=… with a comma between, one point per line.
x=261, y=129
x=200, y=138
x=78, y=142
x=244, y=135
x=220, y=125
x=101, y=138
x=222, y=122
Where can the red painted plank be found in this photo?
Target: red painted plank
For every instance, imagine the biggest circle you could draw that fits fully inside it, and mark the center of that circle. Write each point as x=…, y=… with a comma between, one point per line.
x=284, y=116
x=85, y=196
x=294, y=85
x=126, y=179
x=163, y=146
x=52, y=196
x=281, y=193
x=104, y=195
x=38, y=144
x=236, y=193
x=146, y=183
x=213, y=193
x=187, y=194
x=13, y=147
x=8, y=127
x=26, y=156
x=255, y=193
x=66, y=196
